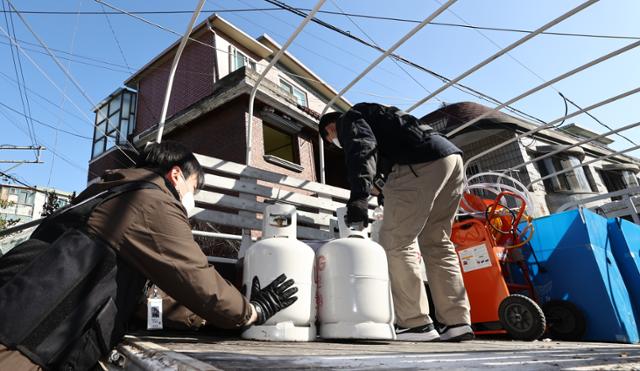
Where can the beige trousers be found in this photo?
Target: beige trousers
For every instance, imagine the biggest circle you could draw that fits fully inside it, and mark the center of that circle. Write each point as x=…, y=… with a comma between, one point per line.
x=422, y=208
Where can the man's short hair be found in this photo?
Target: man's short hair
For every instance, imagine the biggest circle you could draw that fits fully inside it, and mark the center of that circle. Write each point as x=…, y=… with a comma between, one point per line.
x=325, y=120
x=162, y=157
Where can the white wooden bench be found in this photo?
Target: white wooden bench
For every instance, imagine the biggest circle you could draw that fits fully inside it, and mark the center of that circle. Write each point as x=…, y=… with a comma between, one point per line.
x=236, y=195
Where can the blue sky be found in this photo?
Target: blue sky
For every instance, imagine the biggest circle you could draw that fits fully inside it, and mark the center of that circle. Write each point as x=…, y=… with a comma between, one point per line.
x=446, y=50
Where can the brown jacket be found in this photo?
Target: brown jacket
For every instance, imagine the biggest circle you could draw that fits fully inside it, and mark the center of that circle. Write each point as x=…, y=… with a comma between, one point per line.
x=150, y=230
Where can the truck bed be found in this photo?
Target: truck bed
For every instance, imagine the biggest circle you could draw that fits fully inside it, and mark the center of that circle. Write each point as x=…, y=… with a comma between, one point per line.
x=182, y=351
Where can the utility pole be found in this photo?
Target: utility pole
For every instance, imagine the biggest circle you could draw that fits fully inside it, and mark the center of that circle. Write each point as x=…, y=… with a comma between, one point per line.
x=38, y=149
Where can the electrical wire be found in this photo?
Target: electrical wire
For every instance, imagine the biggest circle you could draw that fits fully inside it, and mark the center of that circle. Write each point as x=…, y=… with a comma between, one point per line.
x=320, y=55
x=78, y=167
x=595, y=118
x=20, y=79
x=45, y=99
x=73, y=80
x=354, y=15
x=46, y=75
x=16, y=180
x=71, y=47
x=393, y=59
x=459, y=86
x=51, y=126
x=115, y=37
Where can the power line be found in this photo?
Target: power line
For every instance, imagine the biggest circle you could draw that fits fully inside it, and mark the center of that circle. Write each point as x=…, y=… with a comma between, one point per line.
x=393, y=59
x=64, y=100
x=24, y=42
x=458, y=85
x=63, y=158
x=115, y=37
x=72, y=79
x=19, y=78
x=35, y=93
x=354, y=15
x=46, y=75
x=44, y=123
x=63, y=12
x=16, y=180
x=595, y=118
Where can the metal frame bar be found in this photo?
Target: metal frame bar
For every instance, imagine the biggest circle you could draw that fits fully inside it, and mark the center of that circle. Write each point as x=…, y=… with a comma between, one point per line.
x=226, y=236
x=582, y=164
x=631, y=207
x=274, y=60
x=544, y=85
x=377, y=61
x=550, y=125
x=500, y=53
x=579, y=143
x=174, y=67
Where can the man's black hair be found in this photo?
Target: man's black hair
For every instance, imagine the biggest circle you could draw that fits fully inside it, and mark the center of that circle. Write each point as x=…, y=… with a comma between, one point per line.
x=325, y=120
x=161, y=157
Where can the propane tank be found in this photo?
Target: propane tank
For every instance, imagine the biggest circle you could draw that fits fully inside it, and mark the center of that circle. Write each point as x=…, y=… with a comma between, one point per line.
x=378, y=215
x=354, y=293
x=279, y=252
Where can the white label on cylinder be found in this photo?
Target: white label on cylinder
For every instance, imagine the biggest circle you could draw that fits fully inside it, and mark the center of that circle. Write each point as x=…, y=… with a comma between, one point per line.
x=474, y=258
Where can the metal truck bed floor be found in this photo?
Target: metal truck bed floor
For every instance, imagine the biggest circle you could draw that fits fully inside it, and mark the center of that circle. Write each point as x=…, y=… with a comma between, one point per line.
x=186, y=352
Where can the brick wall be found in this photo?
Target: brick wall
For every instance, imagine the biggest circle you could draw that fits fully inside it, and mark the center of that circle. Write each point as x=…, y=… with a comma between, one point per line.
x=305, y=152
x=219, y=133
x=113, y=159
x=193, y=81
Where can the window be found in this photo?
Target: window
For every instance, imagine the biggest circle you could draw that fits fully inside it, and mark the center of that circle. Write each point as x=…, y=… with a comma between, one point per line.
x=280, y=144
x=239, y=60
x=574, y=180
x=617, y=180
x=299, y=95
x=115, y=121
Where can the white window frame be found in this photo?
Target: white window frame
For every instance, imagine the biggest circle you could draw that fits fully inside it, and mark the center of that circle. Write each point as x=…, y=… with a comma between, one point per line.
x=292, y=90
x=233, y=53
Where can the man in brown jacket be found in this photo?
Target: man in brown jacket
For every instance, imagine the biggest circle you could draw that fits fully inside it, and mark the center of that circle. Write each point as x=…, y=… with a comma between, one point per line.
x=150, y=231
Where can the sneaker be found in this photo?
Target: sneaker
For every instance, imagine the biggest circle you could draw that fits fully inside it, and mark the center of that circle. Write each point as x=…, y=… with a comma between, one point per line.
x=421, y=333
x=456, y=333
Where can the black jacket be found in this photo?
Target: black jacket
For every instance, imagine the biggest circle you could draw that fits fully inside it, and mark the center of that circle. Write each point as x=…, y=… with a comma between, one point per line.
x=371, y=133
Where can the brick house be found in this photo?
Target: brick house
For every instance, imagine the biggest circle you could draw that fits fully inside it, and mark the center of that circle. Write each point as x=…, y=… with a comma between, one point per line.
x=601, y=177
x=209, y=104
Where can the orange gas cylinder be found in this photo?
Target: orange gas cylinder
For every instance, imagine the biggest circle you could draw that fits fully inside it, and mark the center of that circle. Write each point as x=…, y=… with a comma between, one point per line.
x=481, y=270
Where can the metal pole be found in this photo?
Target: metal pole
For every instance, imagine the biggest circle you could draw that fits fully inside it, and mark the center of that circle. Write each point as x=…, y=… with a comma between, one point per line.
x=373, y=65
x=174, y=66
x=632, y=208
x=583, y=164
x=504, y=51
x=544, y=85
x=564, y=148
x=321, y=150
x=550, y=124
x=274, y=60
x=567, y=205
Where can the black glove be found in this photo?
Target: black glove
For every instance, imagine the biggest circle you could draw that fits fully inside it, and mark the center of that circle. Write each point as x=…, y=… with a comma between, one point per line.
x=357, y=212
x=380, y=199
x=275, y=297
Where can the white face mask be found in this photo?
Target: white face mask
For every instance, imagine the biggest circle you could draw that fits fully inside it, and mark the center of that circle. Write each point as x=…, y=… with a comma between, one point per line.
x=187, y=199
x=336, y=142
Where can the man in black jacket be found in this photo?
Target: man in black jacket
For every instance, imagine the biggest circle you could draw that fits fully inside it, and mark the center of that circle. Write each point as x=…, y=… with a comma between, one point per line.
x=422, y=194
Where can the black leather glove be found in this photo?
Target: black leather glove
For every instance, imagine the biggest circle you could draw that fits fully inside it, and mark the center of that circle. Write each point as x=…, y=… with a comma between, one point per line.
x=380, y=199
x=357, y=212
x=277, y=296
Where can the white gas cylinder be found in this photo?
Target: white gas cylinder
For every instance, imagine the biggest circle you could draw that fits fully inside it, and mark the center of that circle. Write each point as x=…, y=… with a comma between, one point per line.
x=354, y=293
x=378, y=215
x=279, y=252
